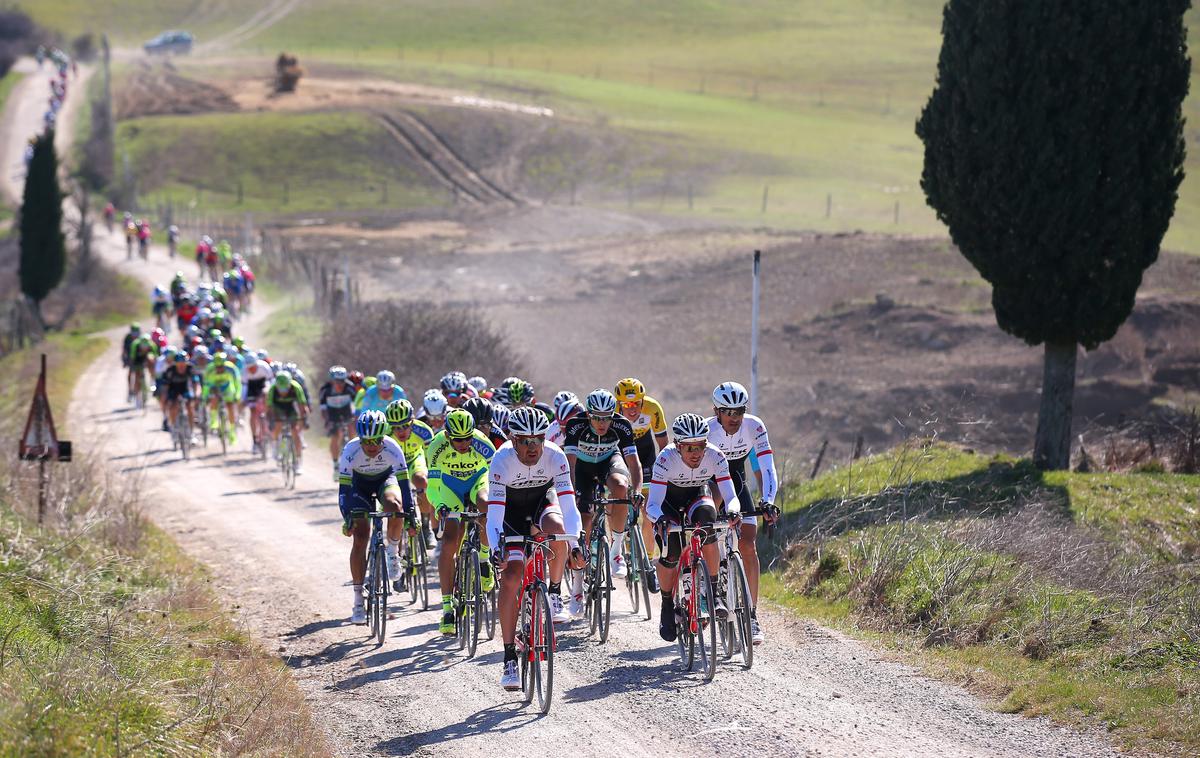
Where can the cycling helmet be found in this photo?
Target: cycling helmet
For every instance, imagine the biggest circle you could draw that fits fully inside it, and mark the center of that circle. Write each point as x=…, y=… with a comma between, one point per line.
x=196, y=342
x=159, y=291
x=568, y=410
x=500, y=415
x=478, y=383
x=460, y=425
x=501, y=396
x=368, y=381
x=356, y=377
x=479, y=408
x=546, y=410
x=135, y=328
x=434, y=402
x=689, y=427
x=520, y=392
x=600, y=402
x=220, y=357
x=262, y=355
x=283, y=379
x=455, y=381
x=158, y=332
x=290, y=366
x=562, y=397
x=527, y=422
x=508, y=381
x=371, y=425
x=630, y=390
x=276, y=366
x=239, y=342
x=385, y=379
x=205, y=312
x=180, y=355
x=399, y=412
x=199, y=351
x=337, y=373
x=730, y=395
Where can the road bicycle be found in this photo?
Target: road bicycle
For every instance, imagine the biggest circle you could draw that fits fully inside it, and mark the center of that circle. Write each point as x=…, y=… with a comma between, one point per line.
x=287, y=459
x=181, y=430
x=141, y=395
x=597, y=571
x=535, y=638
x=694, y=602
x=734, y=631
x=223, y=424
x=467, y=595
x=640, y=571
x=414, y=559
x=376, y=588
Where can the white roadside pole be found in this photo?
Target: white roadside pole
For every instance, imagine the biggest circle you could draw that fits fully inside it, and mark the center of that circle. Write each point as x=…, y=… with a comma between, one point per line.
x=754, y=334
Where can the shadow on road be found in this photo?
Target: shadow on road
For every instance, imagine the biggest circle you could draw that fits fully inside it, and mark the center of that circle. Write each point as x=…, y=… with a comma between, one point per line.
x=495, y=719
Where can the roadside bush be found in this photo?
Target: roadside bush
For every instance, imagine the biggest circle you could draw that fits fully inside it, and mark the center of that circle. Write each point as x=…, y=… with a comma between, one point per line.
x=419, y=342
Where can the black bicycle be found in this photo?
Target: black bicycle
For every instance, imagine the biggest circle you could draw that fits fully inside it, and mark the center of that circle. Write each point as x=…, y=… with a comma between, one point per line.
x=376, y=587
x=414, y=559
x=468, y=596
x=640, y=578
x=597, y=571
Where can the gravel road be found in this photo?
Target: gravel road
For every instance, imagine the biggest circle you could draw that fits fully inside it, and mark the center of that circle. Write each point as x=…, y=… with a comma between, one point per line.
x=280, y=560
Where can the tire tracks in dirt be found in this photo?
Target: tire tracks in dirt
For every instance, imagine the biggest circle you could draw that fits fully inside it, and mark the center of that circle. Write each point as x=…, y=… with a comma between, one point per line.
x=266, y=17
x=441, y=162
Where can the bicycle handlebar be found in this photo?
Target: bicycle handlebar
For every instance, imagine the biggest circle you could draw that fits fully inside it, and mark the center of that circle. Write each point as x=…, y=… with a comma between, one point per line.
x=460, y=515
x=519, y=540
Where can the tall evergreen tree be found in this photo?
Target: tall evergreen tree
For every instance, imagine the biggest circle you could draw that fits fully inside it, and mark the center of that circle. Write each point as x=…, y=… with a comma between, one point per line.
x=43, y=247
x=1054, y=151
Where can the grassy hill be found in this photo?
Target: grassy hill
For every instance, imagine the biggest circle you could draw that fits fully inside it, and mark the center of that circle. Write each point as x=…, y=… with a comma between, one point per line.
x=1064, y=594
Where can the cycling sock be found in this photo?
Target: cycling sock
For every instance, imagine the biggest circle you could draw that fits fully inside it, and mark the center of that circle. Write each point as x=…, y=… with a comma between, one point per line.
x=447, y=603
x=668, y=598
x=555, y=588
x=358, y=597
x=577, y=584
x=393, y=546
x=510, y=653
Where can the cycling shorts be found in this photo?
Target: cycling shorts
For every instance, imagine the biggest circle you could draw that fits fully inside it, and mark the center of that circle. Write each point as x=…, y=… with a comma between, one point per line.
x=176, y=393
x=289, y=412
x=457, y=494
x=520, y=521
x=363, y=495
x=160, y=308
x=590, y=475
x=699, y=511
x=337, y=418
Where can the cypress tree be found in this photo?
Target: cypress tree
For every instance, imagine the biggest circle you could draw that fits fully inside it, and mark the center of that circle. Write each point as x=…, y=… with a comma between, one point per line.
x=43, y=247
x=1054, y=152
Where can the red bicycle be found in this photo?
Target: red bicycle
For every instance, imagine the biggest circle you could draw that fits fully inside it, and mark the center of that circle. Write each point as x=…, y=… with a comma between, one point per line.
x=535, y=623
x=694, y=603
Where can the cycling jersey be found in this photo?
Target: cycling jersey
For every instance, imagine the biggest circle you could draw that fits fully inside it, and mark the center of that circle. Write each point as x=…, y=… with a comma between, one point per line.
x=362, y=477
x=675, y=486
x=555, y=434
x=456, y=479
x=255, y=377
x=372, y=400
x=651, y=419
x=751, y=437
x=582, y=441
x=414, y=447
x=338, y=403
x=140, y=350
x=227, y=383
x=520, y=495
x=288, y=398
x=178, y=383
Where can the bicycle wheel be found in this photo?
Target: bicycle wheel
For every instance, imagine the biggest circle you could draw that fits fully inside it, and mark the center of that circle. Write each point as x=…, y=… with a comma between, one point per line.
x=632, y=578
x=685, y=640
x=381, y=593
x=525, y=651
x=222, y=429
x=604, y=587
x=741, y=610
x=543, y=636
x=644, y=569
x=421, y=573
x=473, y=604
x=706, y=637
x=726, y=635
x=203, y=421
x=368, y=587
x=489, y=613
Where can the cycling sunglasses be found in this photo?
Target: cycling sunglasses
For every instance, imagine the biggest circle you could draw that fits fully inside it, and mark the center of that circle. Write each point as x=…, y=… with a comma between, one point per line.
x=630, y=403
x=731, y=411
x=453, y=394
x=690, y=447
x=372, y=441
x=594, y=417
x=529, y=441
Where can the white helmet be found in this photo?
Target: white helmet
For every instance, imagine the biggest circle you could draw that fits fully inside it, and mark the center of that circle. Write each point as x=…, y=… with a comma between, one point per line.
x=385, y=379
x=689, y=427
x=434, y=402
x=527, y=422
x=600, y=402
x=730, y=395
x=562, y=397
x=455, y=381
x=478, y=383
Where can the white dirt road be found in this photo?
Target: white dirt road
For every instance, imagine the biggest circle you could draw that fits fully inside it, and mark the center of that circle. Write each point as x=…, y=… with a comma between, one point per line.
x=279, y=558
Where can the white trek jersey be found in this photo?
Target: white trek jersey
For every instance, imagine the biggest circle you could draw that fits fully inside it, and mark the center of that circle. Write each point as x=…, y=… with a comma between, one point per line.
x=511, y=482
x=260, y=370
x=355, y=463
x=751, y=435
x=555, y=434
x=674, y=479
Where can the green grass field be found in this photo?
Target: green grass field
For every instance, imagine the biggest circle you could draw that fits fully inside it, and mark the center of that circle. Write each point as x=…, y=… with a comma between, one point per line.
x=823, y=94
x=1061, y=594
x=285, y=162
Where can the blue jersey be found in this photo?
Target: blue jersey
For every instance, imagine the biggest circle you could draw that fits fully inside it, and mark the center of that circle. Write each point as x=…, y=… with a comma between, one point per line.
x=371, y=400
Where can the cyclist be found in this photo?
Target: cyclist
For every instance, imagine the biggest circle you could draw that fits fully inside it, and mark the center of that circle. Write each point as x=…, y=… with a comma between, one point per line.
x=162, y=362
x=142, y=351
x=567, y=411
x=370, y=467
x=131, y=233
x=222, y=390
x=520, y=392
x=336, y=402
x=177, y=379
x=455, y=389
x=561, y=397
x=286, y=402
x=143, y=235
x=256, y=375
x=172, y=239
x=109, y=213
x=500, y=414
x=301, y=379
x=135, y=331
x=433, y=410
x=601, y=450
x=529, y=485
x=185, y=312
x=458, y=459
x=386, y=390
x=224, y=257
x=679, y=495
x=413, y=436
x=738, y=434
x=649, y=429
x=211, y=259
x=480, y=385
x=482, y=411
x=160, y=306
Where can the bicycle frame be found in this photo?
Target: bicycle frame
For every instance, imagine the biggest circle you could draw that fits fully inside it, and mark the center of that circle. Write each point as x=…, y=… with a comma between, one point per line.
x=535, y=572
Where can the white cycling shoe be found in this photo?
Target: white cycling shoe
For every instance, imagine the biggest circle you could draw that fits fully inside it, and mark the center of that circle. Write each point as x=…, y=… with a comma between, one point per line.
x=756, y=632
x=618, y=565
x=575, y=606
x=393, y=566
x=511, y=680
x=358, y=615
x=561, y=614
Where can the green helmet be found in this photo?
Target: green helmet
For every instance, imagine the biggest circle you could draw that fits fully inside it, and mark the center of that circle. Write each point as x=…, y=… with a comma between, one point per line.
x=136, y=328
x=283, y=380
x=239, y=342
x=460, y=424
x=399, y=412
x=520, y=392
x=369, y=381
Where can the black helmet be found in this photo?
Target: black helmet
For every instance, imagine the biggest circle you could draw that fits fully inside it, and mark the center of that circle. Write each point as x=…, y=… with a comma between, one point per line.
x=480, y=408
